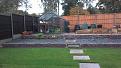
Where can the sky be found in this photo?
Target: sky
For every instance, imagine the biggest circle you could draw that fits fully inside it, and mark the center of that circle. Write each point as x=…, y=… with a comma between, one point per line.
x=36, y=7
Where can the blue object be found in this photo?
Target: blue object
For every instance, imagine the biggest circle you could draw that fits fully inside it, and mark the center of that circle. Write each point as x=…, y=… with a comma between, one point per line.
x=93, y=26
x=85, y=26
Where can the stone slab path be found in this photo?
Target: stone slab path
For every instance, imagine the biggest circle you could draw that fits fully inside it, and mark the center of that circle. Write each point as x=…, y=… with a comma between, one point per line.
x=70, y=41
x=89, y=65
x=81, y=58
x=76, y=51
x=73, y=45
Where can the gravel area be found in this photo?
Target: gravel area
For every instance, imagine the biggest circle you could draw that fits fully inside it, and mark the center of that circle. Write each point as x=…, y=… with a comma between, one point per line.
x=62, y=41
x=83, y=40
x=37, y=41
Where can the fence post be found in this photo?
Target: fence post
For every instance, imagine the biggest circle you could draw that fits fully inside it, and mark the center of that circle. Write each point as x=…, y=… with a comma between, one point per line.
x=33, y=24
x=24, y=22
x=38, y=25
x=12, y=28
x=58, y=7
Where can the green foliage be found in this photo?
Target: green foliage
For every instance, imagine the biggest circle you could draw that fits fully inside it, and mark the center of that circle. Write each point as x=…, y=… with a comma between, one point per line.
x=40, y=35
x=93, y=10
x=56, y=30
x=50, y=5
x=68, y=4
x=8, y=6
x=110, y=6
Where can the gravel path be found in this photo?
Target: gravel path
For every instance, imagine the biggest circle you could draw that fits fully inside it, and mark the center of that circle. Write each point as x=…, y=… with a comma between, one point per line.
x=62, y=41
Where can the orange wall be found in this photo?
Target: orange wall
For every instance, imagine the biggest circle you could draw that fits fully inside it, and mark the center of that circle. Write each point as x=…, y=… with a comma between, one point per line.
x=107, y=20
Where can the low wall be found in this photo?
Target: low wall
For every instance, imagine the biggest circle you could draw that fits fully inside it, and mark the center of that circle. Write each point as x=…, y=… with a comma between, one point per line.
x=9, y=39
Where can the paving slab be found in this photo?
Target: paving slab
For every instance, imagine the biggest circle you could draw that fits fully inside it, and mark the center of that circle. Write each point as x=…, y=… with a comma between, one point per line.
x=70, y=41
x=73, y=45
x=81, y=58
x=76, y=51
x=89, y=65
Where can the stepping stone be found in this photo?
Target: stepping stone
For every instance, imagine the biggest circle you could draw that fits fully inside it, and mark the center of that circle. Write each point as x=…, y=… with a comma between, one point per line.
x=70, y=41
x=89, y=65
x=76, y=51
x=73, y=45
x=81, y=58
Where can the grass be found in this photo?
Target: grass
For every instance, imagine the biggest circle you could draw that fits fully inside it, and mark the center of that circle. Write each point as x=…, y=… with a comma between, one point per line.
x=106, y=57
x=56, y=57
x=36, y=58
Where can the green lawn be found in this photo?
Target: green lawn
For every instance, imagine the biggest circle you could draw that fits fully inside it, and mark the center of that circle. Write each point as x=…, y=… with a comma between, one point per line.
x=106, y=57
x=36, y=58
x=56, y=57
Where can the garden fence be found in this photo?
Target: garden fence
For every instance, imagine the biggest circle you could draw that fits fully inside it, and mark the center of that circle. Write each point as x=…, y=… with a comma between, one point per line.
x=31, y=24
x=106, y=20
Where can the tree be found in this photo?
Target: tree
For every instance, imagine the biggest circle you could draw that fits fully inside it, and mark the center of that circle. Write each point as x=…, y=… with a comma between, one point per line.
x=93, y=10
x=109, y=6
x=88, y=3
x=21, y=12
x=78, y=11
x=50, y=5
x=68, y=4
x=8, y=6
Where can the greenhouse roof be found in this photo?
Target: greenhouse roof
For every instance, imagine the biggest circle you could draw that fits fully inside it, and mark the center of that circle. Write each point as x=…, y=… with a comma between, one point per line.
x=48, y=16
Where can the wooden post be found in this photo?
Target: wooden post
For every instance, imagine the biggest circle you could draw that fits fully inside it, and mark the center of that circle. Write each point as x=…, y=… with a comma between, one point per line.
x=24, y=22
x=33, y=24
x=58, y=7
x=12, y=28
